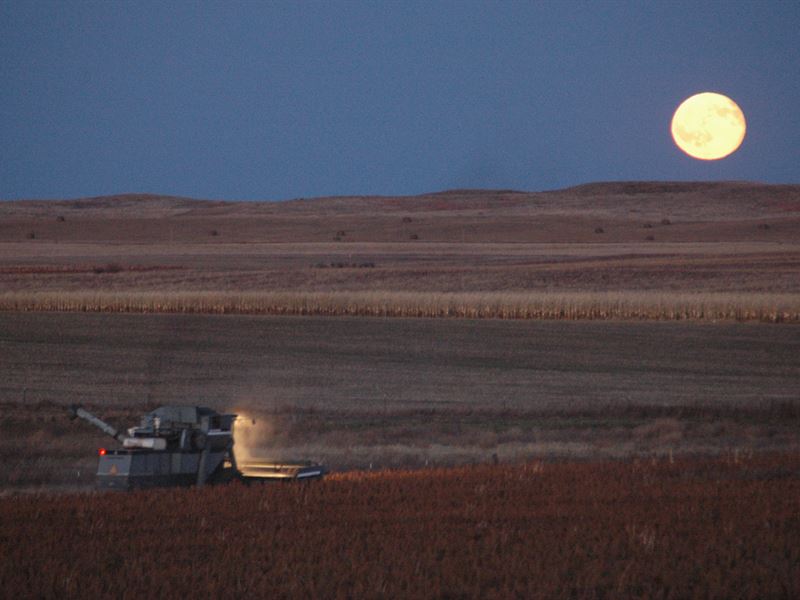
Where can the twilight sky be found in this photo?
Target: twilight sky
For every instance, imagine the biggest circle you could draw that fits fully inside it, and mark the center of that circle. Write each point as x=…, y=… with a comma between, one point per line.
x=274, y=100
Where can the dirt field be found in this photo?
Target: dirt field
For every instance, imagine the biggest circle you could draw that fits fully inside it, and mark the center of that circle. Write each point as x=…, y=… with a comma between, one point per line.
x=360, y=392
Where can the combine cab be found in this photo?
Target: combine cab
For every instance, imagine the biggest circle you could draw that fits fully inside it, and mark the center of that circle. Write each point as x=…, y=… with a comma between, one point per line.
x=181, y=445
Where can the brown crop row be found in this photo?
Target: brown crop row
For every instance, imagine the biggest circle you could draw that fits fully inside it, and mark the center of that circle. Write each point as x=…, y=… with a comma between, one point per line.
x=722, y=528
x=773, y=308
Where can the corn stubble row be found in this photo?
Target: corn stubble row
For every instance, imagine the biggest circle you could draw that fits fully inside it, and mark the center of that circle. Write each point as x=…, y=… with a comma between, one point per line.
x=690, y=528
x=774, y=308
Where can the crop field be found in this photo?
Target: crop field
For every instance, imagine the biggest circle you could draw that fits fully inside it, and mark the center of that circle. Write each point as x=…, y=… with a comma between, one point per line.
x=584, y=393
x=687, y=528
x=772, y=308
x=363, y=393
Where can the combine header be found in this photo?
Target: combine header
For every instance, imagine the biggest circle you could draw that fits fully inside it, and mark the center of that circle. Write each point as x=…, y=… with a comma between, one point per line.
x=181, y=445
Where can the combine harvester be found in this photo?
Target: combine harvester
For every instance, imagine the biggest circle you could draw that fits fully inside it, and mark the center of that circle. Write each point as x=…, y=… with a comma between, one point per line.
x=182, y=445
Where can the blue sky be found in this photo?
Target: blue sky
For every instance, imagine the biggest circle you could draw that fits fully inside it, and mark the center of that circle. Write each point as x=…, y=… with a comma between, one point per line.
x=274, y=100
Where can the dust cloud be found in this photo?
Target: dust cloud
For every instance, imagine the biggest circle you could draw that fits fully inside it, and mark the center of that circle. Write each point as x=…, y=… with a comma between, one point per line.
x=253, y=435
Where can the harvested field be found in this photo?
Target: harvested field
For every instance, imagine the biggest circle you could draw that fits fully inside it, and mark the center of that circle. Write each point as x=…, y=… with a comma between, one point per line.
x=361, y=393
x=722, y=528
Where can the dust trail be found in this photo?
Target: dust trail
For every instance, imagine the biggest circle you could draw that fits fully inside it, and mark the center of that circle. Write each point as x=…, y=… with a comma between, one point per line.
x=252, y=434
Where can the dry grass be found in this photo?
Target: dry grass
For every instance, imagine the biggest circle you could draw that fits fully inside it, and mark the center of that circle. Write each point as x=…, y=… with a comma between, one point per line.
x=772, y=308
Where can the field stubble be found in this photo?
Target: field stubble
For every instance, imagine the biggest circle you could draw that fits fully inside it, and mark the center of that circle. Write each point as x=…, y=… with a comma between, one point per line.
x=373, y=393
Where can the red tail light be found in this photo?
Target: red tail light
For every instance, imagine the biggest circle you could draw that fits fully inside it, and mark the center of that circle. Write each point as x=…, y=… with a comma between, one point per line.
x=101, y=451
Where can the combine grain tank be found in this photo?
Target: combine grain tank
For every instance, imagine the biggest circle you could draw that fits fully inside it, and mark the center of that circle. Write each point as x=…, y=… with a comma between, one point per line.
x=181, y=445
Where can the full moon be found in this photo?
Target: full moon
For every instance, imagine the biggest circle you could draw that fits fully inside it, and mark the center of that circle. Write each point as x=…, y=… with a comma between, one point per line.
x=708, y=126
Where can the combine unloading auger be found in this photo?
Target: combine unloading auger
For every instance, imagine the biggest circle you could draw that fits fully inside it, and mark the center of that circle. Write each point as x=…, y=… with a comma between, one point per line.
x=181, y=445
